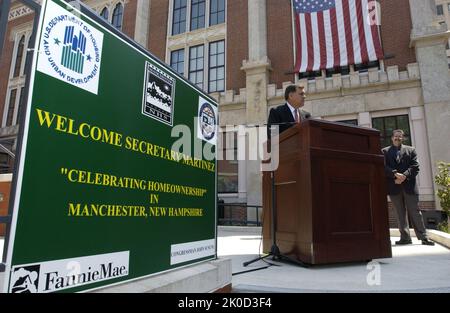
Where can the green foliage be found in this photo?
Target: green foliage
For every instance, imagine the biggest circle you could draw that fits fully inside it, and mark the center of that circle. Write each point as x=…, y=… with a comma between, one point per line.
x=442, y=180
x=444, y=227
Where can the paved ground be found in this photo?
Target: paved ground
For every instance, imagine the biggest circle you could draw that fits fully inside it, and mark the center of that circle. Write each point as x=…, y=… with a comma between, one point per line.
x=413, y=268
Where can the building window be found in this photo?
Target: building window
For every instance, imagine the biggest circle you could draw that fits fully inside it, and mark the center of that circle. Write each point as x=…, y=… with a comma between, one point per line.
x=344, y=70
x=349, y=122
x=388, y=124
x=105, y=13
x=197, y=14
x=310, y=75
x=19, y=56
x=217, y=12
x=227, y=165
x=439, y=9
x=11, y=107
x=177, y=61
x=364, y=67
x=117, y=16
x=19, y=110
x=196, y=61
x=216, y=66
x=179, y=17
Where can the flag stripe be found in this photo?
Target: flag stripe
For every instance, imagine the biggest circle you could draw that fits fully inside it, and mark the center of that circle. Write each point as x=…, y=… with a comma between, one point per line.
x=322, y=40
x=376, y=40
x=304, y=63
x=310, y=63
x=341, y=33
x=315, y=41
x=328, y=40
x=299, y=47
x=348, y=32
x=334, y=30
x=367, y=32
x=333, y=33
x=362, y=35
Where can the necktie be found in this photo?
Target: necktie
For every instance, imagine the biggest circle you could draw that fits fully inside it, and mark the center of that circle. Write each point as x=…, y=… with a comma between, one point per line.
x=297, y=118
x=397, y=158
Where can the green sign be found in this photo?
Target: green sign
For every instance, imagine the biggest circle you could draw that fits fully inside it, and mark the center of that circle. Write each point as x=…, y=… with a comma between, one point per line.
x=117, y=175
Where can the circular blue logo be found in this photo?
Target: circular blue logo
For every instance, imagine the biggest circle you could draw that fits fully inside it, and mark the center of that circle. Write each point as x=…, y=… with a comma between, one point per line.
x=207, y=121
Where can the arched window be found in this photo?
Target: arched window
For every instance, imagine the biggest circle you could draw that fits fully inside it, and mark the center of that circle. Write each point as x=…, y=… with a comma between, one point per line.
x=19, y=56
x=26, y=56
x=117, y=16
x=105, y=13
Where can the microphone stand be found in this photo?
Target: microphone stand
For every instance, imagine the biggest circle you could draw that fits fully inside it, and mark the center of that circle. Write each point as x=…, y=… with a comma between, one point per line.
x=274, y=250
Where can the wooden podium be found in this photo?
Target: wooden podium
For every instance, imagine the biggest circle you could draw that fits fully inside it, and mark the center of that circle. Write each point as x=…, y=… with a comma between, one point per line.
x=330, y=195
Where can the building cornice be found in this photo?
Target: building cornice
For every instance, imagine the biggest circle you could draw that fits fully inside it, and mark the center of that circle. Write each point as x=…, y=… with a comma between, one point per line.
x=423, y=39
x=336, y=86
x=198, y=36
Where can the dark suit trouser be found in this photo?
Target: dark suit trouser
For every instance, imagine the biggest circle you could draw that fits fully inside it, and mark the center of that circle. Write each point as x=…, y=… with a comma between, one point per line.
x=403, y=203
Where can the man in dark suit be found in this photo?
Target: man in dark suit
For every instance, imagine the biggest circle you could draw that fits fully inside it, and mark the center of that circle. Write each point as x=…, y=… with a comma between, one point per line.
x=402, y=167
x=290, y=113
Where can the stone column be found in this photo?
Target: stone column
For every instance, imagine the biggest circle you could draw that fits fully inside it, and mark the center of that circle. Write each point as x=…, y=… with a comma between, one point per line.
x=429, y=40
x=418, y=128
x=257, y=78
x=142, y=22
x=364, y=119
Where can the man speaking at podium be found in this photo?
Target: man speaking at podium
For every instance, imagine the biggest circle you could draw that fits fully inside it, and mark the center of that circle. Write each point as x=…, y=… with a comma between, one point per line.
x=290, y=113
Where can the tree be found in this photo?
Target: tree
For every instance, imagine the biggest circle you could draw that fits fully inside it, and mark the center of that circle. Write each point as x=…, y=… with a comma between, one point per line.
x=442, y=179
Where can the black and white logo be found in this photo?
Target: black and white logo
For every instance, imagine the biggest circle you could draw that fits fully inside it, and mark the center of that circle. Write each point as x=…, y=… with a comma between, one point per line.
x=207, y=121
x=159, y=95
x=56, y=275
x=25, y=279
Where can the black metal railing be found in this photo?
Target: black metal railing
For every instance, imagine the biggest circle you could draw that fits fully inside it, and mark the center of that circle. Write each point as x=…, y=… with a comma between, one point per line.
x=236, y=214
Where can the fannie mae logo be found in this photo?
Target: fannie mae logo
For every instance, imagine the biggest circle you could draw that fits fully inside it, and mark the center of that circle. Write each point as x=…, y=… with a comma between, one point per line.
x=70, y=49
x=58, y=275
x=25, y=279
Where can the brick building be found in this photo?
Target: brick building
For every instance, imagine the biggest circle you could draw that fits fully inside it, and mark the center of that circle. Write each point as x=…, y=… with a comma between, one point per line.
x=242, y=52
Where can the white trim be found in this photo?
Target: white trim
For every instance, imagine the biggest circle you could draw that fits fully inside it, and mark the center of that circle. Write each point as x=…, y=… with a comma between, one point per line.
x=19, y=11
x=389, y=113
x=6, y=177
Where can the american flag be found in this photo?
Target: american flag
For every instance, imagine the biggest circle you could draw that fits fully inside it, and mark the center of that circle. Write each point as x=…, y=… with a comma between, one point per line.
x=333, y=33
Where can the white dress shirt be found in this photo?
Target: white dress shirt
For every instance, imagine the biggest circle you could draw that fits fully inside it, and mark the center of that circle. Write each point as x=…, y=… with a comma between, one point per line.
x=293, y=111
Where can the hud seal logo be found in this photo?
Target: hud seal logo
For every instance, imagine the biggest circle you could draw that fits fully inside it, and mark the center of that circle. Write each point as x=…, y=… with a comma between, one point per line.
x=70, y=49
x=25, y=279
x=207, y=121
x=159, y=95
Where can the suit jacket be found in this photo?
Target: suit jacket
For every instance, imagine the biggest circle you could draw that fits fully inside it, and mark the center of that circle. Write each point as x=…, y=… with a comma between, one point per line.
x=283, y=114
x=406, y=164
